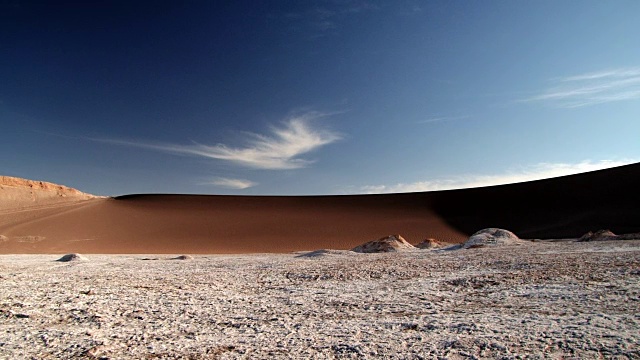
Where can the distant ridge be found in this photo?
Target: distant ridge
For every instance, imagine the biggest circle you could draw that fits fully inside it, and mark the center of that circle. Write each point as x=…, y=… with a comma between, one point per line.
x=564, y=207
x=17, y=193
x=16, y=182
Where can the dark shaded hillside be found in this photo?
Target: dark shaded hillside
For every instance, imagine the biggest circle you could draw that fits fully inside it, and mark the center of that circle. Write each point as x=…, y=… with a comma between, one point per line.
x=554, y=208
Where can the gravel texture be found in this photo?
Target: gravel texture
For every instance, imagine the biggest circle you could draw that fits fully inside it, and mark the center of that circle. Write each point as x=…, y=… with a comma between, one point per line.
x=539, y=300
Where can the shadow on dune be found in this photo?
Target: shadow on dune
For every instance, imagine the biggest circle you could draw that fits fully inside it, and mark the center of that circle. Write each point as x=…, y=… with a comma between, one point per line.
x=563, y=207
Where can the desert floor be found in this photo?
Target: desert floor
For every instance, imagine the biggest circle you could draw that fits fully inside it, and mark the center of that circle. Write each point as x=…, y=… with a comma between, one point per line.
x=539, y=300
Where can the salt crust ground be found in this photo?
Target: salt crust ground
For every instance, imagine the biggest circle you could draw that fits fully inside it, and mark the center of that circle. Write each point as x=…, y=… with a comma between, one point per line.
x=539, y=300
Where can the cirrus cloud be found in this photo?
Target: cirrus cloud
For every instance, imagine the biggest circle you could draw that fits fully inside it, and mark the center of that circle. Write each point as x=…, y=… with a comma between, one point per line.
x=593, y=88
x=282, y=149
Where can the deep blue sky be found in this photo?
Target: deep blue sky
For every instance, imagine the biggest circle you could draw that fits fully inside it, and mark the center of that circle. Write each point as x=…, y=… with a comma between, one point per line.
x=324, y=97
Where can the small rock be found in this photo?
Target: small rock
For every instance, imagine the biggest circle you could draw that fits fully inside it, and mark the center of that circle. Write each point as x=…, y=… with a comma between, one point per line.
x=97, y=352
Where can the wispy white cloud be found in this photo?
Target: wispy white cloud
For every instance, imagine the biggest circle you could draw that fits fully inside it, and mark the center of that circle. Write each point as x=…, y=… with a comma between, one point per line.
x=229, y=183
x=535, y=172
x=281, y=149
x=593, y=88
x=616, y=73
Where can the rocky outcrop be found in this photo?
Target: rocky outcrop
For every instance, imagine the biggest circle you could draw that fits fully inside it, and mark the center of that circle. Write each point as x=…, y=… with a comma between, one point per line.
x=491, y=237
x=391, y=243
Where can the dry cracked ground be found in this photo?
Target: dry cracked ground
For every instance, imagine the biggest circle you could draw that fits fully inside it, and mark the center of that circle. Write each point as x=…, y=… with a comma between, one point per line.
x=536, y=301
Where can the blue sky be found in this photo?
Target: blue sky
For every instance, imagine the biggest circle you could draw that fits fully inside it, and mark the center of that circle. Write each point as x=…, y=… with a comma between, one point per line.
x=315, y=97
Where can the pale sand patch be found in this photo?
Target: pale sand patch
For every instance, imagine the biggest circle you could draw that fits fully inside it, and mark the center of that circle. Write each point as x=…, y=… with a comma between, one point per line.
x=31, y=239
x=545, y=300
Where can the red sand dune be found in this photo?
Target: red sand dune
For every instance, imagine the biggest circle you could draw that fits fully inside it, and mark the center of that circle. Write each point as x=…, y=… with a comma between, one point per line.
x=555, y=208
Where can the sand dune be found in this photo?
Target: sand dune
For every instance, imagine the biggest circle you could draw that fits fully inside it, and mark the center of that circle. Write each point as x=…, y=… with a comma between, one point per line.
x=556, y=208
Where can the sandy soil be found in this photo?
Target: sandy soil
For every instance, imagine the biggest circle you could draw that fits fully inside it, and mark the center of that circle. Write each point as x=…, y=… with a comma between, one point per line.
x=540, y=300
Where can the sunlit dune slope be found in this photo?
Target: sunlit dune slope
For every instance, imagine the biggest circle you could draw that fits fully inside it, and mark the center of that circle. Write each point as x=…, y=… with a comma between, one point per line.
x=202, y=224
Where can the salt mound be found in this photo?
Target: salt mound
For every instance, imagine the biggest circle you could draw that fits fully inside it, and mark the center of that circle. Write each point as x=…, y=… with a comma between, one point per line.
x=72, y=257
x=632, y=236
x=606, y=235
x=430, y=243
x=182, y=257
x=491, y=237
x=389, y=243
x=600, y=235
x=323, y=253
